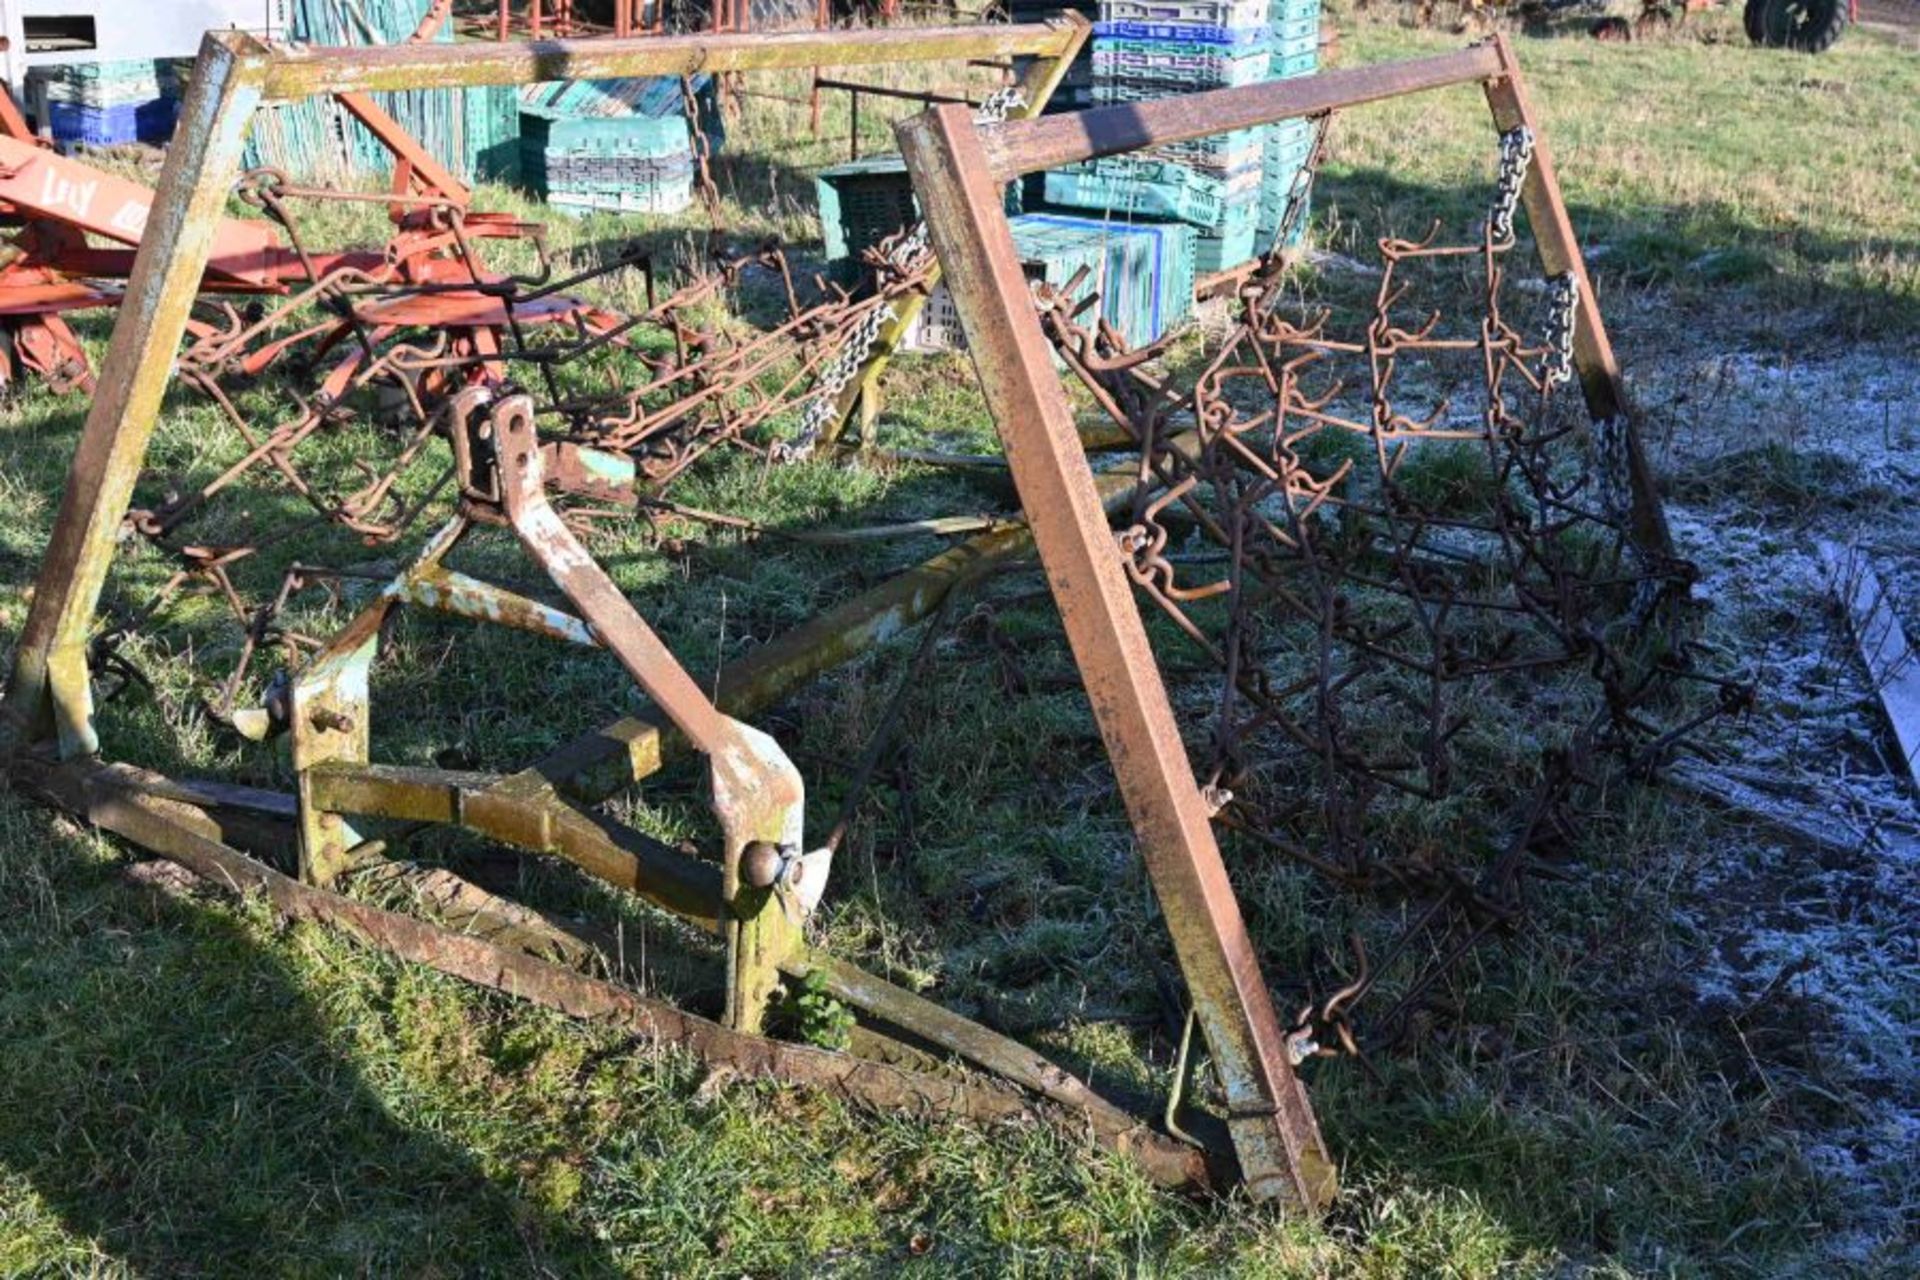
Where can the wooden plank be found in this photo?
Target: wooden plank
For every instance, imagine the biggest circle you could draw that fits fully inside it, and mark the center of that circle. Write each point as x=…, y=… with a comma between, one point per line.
x=1800, y=822
x=1883, y=645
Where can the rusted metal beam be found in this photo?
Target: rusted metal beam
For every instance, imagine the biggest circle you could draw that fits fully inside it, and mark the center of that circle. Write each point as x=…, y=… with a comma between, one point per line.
x=1275, y=1136
x=182, y=834
x=526, y=817
x=297, y=73
x=596, y=765
x=1030, y=146
x=49, y=692
x=1560, y=254
x=414, y=159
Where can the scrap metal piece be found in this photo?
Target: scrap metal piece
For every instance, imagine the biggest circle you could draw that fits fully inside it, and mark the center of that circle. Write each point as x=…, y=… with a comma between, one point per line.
x=1883, y=646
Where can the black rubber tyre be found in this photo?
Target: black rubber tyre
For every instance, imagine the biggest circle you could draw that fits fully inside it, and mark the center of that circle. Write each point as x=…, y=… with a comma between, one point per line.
x=1755, y=17
x=1805, y=26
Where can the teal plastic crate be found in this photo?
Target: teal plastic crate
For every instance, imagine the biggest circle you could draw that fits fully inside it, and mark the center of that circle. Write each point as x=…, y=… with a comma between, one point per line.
x=1174, y=191
x=1281, y=159
x=654, y=200
x=1220, y=155
x=1289, y=131
x=1273, y=211
x=1296, y=64
x=1146, y=268
x=550, y=129
x=1215, y=252
x=1178, y=63
x=1058, y=250
x=1142, y=270
x=863, y=202
x=1289, y=31
x=1293, y=47
x=1146, y=166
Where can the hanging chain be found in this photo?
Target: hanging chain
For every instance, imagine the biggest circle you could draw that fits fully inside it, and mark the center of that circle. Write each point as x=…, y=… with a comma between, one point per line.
x=1607, y=463
x=904, y=255
x=702, y=152
x=1563, y=299
x=1516, y=157
x=1302, y=186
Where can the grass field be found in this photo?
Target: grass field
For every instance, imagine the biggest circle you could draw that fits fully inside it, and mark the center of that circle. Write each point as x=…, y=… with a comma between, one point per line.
x=190, y=1087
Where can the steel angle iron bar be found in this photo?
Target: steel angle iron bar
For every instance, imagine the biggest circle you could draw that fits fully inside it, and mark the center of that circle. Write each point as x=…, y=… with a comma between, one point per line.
x=957, y=167
x=50, y=737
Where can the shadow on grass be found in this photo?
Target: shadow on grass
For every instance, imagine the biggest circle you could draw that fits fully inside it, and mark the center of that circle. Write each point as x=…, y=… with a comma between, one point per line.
x=1861, y=284
x=178, y=1099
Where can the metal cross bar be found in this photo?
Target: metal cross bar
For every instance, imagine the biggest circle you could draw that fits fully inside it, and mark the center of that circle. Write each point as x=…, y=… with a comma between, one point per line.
x=1030, y=146
x=300, y=72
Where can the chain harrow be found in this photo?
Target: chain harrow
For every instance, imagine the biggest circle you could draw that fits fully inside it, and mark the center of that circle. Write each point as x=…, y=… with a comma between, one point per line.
x=1375, y=534
x=1372, y=530
x=385, y=340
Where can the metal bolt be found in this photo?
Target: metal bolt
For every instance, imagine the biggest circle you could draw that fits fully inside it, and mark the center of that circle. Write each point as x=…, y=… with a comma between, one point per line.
x=761, y=863
x=325, y=720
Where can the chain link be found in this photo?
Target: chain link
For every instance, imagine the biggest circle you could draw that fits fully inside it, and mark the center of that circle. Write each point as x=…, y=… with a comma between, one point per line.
x=1516, y=157
x=1607, y=463
x=905, y=255
x=702, y=150
x=1302, y=185
x=1563, y=299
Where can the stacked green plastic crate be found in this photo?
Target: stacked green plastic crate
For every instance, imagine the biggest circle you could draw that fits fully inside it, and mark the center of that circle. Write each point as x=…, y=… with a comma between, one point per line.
x=1143, y=273
x=1147, y=49
x=1296, y=52
x=621, y=146
x=316, y=139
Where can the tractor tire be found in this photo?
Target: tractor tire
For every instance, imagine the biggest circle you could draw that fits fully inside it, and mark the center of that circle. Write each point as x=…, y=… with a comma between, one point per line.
x=1805, y=26
x=1755, y=18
